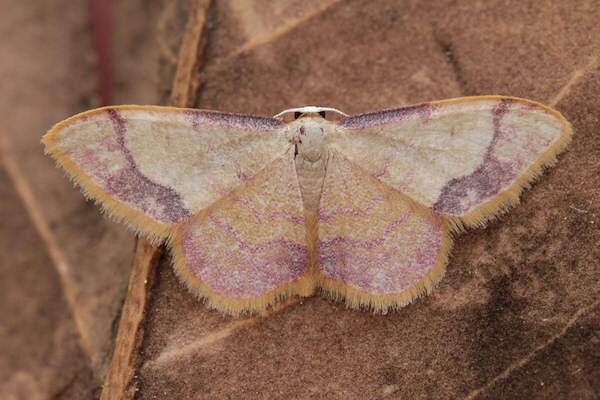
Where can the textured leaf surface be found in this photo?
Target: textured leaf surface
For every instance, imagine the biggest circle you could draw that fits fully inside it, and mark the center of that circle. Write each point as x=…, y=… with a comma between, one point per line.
x=509, y=289
x=518, y=301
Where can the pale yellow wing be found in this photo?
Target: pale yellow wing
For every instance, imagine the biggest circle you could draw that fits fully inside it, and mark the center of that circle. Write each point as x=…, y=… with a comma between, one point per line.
x=249, y=249
x=467, y=158
x=154, y=167
x=376, y=247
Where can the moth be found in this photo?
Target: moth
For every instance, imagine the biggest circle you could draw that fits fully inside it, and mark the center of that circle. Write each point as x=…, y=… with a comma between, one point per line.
x=255, y=209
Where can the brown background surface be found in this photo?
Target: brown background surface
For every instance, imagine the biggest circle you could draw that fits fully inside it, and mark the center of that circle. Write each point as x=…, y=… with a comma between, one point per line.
x=517, y=314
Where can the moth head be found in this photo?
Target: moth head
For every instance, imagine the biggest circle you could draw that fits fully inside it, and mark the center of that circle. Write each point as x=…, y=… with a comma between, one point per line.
x=308, y=130
x=308, y=134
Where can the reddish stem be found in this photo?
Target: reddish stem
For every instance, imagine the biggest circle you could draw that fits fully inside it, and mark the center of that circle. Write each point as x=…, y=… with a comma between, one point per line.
x=101, y=21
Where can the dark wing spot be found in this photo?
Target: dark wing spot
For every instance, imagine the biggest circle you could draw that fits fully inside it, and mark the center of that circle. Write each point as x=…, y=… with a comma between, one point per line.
x=130, y=185
x=462, y=193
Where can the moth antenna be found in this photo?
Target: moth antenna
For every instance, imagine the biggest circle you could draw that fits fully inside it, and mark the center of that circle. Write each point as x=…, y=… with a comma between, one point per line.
x=310, y=109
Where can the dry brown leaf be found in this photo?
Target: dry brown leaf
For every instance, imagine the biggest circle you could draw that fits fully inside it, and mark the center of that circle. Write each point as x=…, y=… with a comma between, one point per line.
x=517, y=314
x=525, y=276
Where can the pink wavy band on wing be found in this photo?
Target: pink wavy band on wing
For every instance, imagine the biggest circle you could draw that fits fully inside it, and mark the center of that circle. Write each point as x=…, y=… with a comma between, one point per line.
x=384, y=264
x=326, y=216
x=238, y=268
